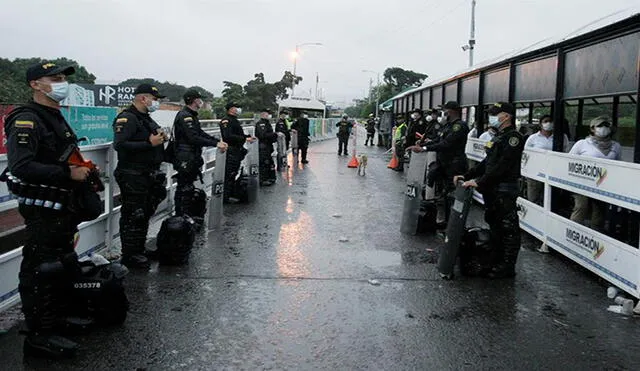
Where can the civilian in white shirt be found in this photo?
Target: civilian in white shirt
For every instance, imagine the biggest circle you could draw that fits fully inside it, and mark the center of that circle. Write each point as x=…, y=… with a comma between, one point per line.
x=598, y=145
x=543, y=139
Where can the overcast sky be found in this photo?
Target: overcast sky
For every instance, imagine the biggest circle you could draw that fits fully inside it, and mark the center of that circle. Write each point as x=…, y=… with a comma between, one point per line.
x=203, y=42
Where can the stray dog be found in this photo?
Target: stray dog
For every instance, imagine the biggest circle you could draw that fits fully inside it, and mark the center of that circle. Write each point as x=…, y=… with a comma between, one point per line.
x=362, y=165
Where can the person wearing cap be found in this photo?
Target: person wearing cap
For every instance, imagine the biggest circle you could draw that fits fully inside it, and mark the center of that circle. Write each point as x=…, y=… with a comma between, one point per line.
x=417, y=128
x=599, y=144
x=496, y=177
x=266, y=137
x=301, y=128
x=543, y=139
x=37, y=137
x=189, y=138
x=234, y=136
x=344, y=131
x=283, y=127
x=139, y=142
x=371, y=129
x=451, y=158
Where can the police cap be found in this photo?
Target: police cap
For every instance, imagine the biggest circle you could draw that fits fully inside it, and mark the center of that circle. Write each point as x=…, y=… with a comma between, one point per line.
x=191, y=95
x=148, y=89
x=452, y=105
x=502, y=107
x=230, y=105
x=42, y=69
x=266, y=110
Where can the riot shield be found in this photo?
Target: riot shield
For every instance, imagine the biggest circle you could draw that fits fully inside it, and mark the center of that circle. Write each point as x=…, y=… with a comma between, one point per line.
x=429, y=192
x=253, y=165
x=294, y=142
x=282, y=152
x=413, y=193
x=217, y=192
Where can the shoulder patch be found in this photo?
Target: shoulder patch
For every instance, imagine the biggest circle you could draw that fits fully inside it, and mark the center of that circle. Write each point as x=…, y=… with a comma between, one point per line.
x=122, y=120
x=514, y=141
x=188, y=118
x=456, y=127
x=23, y=124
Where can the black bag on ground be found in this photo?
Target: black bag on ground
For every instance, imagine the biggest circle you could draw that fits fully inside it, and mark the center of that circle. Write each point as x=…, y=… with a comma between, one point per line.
x=476, y=254
x=175, y=240
x=98, y=293
x=427, y=216
x=240, y=191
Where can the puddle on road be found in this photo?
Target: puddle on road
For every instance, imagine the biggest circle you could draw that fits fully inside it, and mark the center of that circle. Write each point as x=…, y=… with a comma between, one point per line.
x=378, y=259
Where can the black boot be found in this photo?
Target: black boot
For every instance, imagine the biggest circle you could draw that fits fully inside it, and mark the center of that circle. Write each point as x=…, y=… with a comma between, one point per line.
x=49, y=346
x=507, y=267
x=136, y=261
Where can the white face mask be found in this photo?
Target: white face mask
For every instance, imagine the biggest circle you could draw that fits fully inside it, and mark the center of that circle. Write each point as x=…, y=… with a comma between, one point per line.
x=154, y=106
x=238, y=111
x=603, y=132
x=494, y=121
x=429, y=118
x=415, y=116
x=442, y=119
x=59, y=91
x=269, y=117
x=547, y=126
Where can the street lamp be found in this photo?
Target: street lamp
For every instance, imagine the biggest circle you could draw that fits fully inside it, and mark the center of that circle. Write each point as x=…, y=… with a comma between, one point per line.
x=377, y=89
x=295, y=56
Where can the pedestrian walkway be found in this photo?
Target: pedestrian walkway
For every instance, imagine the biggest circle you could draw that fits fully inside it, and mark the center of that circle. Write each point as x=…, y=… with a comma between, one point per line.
x=316, y=275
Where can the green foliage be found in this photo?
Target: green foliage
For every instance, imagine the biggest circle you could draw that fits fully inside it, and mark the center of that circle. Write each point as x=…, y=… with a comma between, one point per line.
x=402, y=79
x=14, y=88
x=257, y=94
x=205, y=114
x=174, y=92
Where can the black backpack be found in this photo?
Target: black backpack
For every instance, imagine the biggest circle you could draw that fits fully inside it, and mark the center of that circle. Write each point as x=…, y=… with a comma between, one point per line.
x=175, y=240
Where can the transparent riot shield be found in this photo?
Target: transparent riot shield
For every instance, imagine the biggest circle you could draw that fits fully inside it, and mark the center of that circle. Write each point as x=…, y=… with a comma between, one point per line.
x=429, y=192
x=253, y=165
x=413, y=193
x=282, y=152
x=217, y=192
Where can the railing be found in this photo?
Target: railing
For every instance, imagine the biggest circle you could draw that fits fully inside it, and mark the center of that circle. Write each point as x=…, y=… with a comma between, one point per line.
x=614, y=182
x=99, y=235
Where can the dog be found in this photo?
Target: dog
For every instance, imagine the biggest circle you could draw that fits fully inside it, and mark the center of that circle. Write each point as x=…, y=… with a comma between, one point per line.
x=362, y=165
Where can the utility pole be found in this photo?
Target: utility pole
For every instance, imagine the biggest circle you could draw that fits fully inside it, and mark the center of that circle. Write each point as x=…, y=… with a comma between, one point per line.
x=317, y=81
x=295, y=59
x=378, y=95
x=370, y=88
x=472, y=37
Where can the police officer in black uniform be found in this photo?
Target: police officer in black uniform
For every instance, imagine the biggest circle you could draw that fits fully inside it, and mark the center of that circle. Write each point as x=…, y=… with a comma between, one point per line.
x=344, y=131
x=496, y=177
x=371, y=129
x=235, y=137
x=37, y=138
x=139, y=142
x=189, y=140
x=417, y=128
x=301, y=126
x=282, y=127
x=266, y=137
x=450, y=147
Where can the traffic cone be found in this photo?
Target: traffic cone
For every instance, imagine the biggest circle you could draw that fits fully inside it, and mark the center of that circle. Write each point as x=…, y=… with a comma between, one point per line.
x=394, y=161
x=354, y=162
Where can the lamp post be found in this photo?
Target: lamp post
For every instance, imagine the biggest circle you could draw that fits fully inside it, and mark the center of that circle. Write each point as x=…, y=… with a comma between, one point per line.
x=377, y=89
x=295, y=59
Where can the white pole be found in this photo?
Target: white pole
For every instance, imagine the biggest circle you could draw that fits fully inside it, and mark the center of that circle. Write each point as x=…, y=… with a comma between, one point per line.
x=472, y=38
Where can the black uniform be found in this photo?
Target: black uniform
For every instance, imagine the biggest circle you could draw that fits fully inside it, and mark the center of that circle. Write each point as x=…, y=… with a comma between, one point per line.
x=451, y=159
x=142, y=184
x=497, y=177
x=416, y=127
x=371, y=130
x=301, y=125
x=344, y=130
x=37, y=137
x=266, y=137
x=235, y=137
x=281, y=127
x=189, y=140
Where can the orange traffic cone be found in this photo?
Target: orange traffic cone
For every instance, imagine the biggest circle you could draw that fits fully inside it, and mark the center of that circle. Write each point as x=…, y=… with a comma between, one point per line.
x=394, y=161
x=354, y=162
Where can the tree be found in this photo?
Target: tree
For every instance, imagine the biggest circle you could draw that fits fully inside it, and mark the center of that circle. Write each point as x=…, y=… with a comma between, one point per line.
x=402, y=79
x=287, y=81
x=14, y=88
x=233, y=92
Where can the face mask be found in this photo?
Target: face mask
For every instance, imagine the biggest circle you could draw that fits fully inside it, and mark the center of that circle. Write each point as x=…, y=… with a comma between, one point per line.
x=442, y=119
x=59, y=91
x=603, y=132
x=429, y=118
x=547, y=126
x=494, y=121
x=238, y=111
x=154, y=106
x=269, y=117
x=414, y=116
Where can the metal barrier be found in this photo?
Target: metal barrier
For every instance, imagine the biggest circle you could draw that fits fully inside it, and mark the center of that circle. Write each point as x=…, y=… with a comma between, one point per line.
x=610, y=181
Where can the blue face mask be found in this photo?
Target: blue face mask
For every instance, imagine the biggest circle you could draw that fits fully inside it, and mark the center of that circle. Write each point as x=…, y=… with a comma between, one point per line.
x=494, y=121
x=59, y=91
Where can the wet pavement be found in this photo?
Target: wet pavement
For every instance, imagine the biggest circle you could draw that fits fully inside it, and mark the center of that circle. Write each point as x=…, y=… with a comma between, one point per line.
x=287, y=285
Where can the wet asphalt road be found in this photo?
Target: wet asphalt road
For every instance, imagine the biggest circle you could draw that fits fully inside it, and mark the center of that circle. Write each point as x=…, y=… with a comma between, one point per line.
x=279, y=290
